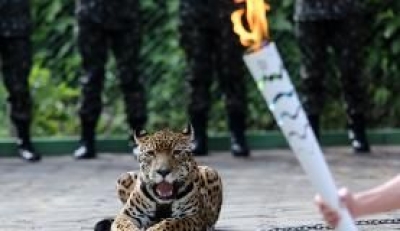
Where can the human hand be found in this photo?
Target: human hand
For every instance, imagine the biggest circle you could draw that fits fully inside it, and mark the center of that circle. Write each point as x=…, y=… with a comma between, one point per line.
x=330, y=215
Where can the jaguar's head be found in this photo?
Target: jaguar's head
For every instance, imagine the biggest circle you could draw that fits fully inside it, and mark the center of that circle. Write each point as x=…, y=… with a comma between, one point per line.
x=166, y=163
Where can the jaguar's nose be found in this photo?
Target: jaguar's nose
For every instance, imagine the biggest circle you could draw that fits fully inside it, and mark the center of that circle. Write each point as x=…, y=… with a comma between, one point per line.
x=164, y=172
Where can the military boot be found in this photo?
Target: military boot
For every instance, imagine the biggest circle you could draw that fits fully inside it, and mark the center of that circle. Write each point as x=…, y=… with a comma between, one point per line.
x=199, y=143
x=133, y=145
x=357, y=134
x=86, y=149
x=136, y=125
x=237, y=126
x=25, y=147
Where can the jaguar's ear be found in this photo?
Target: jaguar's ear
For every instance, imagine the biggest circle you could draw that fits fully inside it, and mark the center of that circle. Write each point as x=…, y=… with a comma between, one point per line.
x=138, y=134
x=188, y=131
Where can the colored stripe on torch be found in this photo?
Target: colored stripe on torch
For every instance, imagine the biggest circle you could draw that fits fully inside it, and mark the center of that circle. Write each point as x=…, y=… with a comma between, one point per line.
x=265, y=65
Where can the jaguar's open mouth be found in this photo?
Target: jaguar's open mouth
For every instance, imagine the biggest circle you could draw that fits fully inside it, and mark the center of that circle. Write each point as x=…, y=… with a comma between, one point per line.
x=164, y=190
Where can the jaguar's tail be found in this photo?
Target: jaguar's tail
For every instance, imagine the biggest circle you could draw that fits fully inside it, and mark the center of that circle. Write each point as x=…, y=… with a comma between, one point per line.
x=104, y=225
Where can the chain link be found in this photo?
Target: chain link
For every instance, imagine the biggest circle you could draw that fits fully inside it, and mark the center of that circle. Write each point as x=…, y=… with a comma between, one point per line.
x=325, y=227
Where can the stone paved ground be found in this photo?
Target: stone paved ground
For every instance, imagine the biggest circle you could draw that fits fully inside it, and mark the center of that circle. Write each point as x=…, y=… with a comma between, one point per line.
x=268, y=190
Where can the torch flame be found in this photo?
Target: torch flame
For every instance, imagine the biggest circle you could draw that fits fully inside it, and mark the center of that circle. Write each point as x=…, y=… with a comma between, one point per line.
x=256, y=20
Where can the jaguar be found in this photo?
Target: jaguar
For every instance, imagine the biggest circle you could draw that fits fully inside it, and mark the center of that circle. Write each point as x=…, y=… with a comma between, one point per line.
x=170, y=191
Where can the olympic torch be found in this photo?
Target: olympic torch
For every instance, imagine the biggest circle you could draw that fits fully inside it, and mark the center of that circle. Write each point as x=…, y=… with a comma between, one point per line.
x=265, y=65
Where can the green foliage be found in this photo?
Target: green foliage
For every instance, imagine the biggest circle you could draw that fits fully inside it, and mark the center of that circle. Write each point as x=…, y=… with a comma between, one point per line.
x=54, y=103
x=382, y=63
x=56, y=71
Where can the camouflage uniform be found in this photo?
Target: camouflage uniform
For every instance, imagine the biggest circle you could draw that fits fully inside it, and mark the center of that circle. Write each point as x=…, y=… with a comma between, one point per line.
x=16, y=60
x=337, y=24
x=109, y=25
x=213, y=51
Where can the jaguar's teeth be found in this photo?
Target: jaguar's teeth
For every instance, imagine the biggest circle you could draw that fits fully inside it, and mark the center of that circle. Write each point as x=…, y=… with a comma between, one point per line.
x=164, y=189
x=164, y=194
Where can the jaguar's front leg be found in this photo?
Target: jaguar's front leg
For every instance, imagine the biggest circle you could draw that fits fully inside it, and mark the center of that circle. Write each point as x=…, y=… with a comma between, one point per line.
x=193, y=223
x=124, y=223
x=136, y=214
x=125, y=185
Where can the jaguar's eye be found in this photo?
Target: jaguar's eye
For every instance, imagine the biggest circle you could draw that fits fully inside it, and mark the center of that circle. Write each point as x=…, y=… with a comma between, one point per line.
x=150, y=153
x=176, y=152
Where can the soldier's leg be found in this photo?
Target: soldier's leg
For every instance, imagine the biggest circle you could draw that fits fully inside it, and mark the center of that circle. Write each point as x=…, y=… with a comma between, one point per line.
x=196, y=43
x=312, y=42
x=17, y=61
x=126, y=46
x=349, y=44
x=231, y=76
x=92, y=44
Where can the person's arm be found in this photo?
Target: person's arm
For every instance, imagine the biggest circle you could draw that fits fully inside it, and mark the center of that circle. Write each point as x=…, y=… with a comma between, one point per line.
x=383, y=198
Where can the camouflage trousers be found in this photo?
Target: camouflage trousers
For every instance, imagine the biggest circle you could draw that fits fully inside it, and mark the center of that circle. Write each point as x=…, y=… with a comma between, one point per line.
x=213, y=53
x=94, y=43
x=16, y=60
x=345, y=37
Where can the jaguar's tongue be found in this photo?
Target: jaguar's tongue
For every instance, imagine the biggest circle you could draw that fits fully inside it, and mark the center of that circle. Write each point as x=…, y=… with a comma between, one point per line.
x=164, y=189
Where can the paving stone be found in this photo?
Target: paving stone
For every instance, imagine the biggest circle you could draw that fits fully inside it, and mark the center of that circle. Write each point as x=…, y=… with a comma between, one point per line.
x=268, y=190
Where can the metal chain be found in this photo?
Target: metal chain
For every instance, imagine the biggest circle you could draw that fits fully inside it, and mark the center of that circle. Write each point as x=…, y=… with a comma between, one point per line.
x=325, y=227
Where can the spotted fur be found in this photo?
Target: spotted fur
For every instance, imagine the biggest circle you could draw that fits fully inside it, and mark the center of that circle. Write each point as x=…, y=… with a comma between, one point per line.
x=197, y=192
